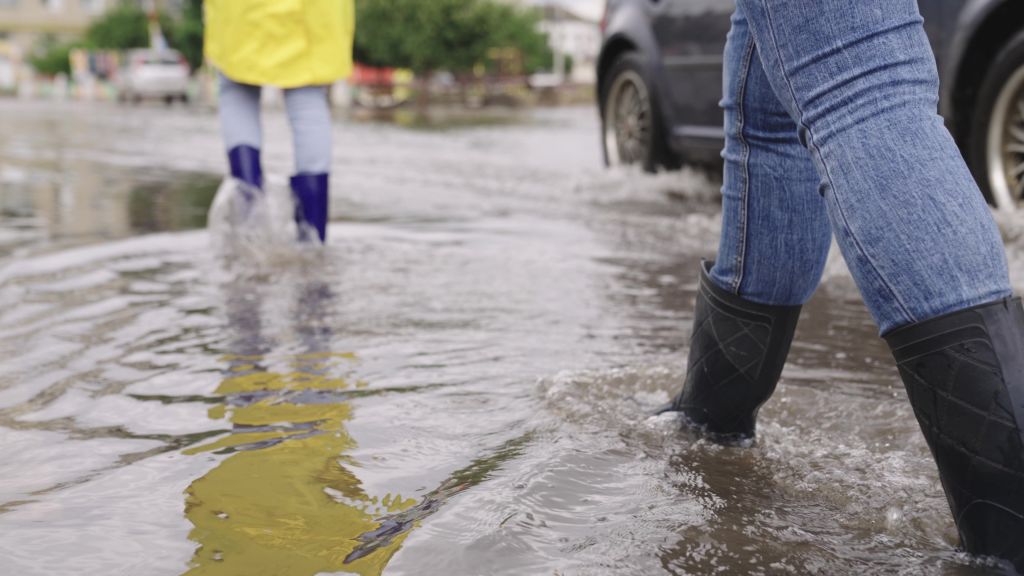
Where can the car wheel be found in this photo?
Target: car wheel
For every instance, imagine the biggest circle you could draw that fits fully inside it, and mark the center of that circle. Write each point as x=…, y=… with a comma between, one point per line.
x=633, y=132
x=997, y=135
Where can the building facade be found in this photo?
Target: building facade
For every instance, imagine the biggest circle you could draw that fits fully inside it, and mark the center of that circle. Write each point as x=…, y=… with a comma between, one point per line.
x=575, y=42
x=23, y=22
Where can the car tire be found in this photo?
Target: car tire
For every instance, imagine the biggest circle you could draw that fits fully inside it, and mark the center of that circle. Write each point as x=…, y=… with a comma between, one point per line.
x=996, y=143
x=632, y=130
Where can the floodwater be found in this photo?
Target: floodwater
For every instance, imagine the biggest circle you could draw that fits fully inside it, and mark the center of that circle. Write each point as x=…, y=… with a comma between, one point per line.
x=460, y=383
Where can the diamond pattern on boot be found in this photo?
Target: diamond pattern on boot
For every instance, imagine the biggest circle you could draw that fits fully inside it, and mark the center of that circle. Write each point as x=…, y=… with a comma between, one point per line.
x=960, y=399
x=736, y=355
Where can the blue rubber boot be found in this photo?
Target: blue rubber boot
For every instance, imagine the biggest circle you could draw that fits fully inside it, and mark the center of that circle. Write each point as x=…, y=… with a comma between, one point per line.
x=245, y=166
x=311, y=204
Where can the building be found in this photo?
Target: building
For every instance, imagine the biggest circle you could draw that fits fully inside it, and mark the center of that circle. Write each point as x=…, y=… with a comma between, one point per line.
x=576, y=43
x=24, y=22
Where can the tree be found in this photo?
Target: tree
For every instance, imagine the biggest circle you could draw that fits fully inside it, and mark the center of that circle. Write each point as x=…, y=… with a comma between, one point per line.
x=518, y=28
x=51, y=57
x=452, y=35
x=186, y=34
x=423, y=36
x=124, y=27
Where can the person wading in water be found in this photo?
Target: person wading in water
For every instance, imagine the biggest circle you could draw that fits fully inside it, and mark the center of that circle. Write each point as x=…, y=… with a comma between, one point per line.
x=832, y=130
x=301, y=47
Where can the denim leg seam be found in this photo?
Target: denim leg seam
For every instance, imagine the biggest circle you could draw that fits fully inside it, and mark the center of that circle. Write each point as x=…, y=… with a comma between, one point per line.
x=741, y=93
x=828, y=176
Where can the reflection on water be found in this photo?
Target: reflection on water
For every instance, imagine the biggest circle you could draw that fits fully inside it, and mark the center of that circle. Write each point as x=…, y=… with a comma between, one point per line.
x=82, y=200
x=282, y=500
x=460, y=383
x=394, y=525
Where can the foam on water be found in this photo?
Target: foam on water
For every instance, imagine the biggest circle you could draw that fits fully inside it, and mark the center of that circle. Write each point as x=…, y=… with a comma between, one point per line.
x=864, y=502
x=253, y=231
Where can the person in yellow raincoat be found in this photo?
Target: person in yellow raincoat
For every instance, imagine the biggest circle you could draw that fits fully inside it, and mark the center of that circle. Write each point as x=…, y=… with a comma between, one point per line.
x=301, y=46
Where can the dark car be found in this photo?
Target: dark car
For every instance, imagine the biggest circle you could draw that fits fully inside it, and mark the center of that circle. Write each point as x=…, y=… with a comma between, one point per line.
x=660, y=81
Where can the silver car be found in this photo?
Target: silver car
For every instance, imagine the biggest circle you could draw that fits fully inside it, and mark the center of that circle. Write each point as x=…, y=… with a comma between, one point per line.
x=153, y=74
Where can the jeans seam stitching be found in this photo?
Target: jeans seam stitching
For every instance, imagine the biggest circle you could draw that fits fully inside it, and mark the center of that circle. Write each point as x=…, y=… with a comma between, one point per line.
x=741, y=94
x=828, y=175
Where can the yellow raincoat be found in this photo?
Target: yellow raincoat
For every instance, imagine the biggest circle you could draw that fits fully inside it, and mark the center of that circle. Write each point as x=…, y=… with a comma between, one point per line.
x=284, y=43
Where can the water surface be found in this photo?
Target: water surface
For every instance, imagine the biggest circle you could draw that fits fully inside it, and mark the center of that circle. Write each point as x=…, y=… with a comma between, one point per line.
x=460, y=383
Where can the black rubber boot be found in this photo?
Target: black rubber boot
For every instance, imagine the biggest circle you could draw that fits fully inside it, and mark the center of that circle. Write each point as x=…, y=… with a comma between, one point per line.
x=964, y=374
x=737, y=352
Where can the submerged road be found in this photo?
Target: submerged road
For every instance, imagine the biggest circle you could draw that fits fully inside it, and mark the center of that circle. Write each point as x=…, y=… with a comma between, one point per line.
x=459, y=384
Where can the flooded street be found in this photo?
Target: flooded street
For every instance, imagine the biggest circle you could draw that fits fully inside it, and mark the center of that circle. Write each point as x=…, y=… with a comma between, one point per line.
x=459, y=384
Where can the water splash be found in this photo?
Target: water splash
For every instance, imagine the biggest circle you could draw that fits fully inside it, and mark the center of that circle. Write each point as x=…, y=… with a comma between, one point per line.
x=253, y=231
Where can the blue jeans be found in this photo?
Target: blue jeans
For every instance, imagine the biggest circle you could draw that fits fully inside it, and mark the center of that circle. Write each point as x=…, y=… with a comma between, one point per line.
x=832, y=127
x=308, y=114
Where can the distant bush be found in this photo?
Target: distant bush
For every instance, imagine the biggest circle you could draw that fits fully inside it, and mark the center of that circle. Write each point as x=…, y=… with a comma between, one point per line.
x=51, y=57
x=186, y=33
x=123, y=27
x=452, y=35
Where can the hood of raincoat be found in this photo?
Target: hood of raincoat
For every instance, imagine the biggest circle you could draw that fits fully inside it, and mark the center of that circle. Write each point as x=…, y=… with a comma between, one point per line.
x=285, y=43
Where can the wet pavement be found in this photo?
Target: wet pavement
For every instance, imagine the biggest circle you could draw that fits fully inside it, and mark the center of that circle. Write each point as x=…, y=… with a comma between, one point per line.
x=460, y=383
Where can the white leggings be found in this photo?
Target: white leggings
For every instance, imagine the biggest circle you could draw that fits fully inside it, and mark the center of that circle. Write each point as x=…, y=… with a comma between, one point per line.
x=308, y=114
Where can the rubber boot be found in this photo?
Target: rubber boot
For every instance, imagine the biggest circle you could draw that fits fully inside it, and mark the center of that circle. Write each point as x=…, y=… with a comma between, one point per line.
x=238, y=197
x=311, y=204
x=245, y=165
x=737, y=352
x=964, y=374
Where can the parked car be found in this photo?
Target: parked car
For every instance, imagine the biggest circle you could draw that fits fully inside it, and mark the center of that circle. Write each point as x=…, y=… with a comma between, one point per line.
x=660, y=81
x=153, y=74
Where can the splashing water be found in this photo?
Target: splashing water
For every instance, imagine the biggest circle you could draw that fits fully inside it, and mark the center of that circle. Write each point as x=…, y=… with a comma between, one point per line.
x=254, y=231
x=459, y=383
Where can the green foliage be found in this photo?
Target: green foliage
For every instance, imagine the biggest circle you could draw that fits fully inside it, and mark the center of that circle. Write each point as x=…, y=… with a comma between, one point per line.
x=517, y=28
x=121, y=28
x=453, y=35
x=124, y=27
x=186, y=33
x=51, y=57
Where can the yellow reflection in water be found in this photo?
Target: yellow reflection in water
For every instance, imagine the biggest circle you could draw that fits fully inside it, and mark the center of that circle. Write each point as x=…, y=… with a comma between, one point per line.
x=283, y=503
